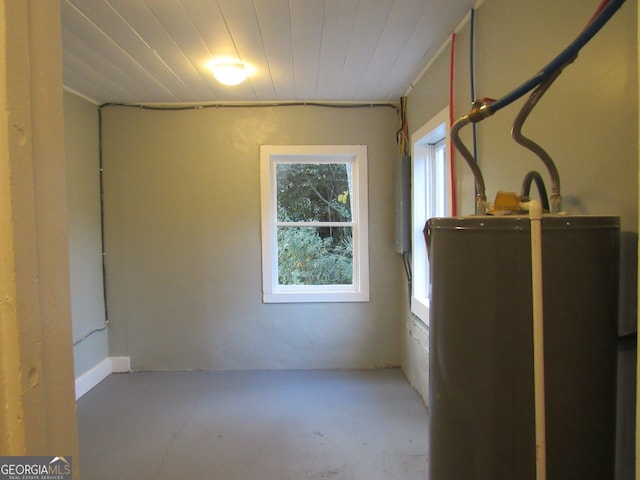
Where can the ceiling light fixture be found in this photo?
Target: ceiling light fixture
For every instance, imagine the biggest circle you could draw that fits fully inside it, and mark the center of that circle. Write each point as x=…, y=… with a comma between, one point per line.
x=229, y=73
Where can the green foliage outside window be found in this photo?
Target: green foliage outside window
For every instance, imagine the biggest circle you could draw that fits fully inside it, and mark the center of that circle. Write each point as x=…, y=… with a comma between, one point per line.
x=305, y=258
x=314, y=255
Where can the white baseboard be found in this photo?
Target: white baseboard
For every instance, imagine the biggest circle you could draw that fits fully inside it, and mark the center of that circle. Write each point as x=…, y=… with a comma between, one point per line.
x=120, y=364
x=93, y=377
x=102, y=370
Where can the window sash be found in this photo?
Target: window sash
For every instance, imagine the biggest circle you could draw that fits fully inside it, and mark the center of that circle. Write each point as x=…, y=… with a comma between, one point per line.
x=355, y=155
x=431, y=197
x=342, y=216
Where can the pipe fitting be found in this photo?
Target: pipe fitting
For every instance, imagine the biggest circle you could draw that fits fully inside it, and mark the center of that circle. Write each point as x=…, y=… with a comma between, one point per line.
x=556, y=203
x=481, y=204
x=480, y=109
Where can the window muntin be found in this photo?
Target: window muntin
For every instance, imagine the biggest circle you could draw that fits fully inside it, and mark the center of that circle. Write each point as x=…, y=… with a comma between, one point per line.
x=314, y=223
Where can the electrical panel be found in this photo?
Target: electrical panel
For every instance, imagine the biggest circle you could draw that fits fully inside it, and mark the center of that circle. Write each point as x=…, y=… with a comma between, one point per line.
x=402, y=204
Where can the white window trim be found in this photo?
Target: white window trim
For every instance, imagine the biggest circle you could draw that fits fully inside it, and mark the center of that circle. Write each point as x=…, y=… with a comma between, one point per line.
x=272, y=292
x=434, y=130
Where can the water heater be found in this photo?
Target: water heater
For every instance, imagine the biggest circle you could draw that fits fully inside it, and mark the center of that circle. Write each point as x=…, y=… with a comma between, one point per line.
x=481, y=394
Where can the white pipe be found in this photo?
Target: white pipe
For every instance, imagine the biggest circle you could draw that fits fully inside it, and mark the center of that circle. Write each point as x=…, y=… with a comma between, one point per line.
x=535, y=217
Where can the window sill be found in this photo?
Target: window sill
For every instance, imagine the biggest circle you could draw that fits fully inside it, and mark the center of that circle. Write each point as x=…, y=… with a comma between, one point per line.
x=314, y=297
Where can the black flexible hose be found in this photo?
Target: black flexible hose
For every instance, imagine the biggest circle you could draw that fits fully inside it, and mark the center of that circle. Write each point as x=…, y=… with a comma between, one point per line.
x=530, y=177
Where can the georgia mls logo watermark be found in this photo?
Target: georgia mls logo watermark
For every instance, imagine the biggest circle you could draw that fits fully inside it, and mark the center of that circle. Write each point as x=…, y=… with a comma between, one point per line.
x=35, y=468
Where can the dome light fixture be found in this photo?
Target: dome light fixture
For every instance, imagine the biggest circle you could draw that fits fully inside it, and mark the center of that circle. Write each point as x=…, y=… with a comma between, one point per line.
x=229, y=73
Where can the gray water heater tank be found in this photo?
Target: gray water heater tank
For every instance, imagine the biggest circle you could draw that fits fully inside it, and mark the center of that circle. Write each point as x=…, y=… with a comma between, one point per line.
x=481, y=396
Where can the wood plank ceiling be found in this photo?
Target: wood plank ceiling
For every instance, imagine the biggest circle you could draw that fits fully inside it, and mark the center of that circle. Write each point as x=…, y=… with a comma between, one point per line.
x=156, y=51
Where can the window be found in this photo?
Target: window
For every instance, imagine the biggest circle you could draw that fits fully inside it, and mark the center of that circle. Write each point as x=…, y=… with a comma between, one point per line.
x=431, y=180
x=314, y=223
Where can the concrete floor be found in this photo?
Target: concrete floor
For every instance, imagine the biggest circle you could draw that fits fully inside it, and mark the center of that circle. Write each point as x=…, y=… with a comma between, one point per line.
x=262, y=425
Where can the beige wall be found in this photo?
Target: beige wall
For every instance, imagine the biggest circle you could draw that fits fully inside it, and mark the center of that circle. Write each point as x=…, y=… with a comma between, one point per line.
x=182, y=227
x=85, y=244
x=37, y=414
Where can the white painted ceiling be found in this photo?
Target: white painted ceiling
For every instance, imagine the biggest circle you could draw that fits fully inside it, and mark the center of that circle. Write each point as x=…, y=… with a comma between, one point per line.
x=155, y=51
